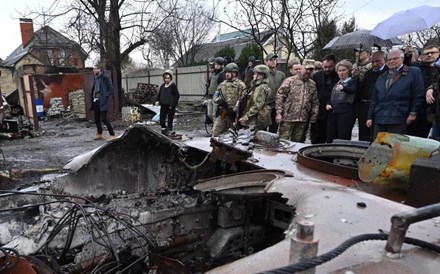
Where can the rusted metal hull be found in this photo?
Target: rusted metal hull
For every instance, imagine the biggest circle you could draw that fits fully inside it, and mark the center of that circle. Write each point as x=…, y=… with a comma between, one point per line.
x=324, y=157
x=334, y=211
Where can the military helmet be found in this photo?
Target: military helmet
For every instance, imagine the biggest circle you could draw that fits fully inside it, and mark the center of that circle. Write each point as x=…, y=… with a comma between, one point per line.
x=168, y=71
x=219, y=60
x=263, y=69
x=231, y=67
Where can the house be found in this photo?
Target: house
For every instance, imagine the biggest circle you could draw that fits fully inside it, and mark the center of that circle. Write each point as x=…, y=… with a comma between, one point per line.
x=45, y=65
x=46, y=47
x=237, y=40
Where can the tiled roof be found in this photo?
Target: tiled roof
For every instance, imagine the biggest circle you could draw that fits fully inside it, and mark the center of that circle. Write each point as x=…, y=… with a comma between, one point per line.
x=46, y=37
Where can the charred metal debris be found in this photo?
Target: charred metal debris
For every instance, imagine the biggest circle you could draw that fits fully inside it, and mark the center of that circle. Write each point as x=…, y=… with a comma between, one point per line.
x=146, y=203
x=130, y=207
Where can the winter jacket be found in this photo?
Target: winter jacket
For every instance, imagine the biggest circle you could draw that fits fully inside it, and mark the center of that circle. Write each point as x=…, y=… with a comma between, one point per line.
x=342, y=101
x=168, y=96
x=405, y=95
x=103, y=83
x=297, y=100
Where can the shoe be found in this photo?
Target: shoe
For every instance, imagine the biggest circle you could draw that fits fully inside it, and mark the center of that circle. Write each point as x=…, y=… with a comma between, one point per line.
x=111, y=138
x=97, y=136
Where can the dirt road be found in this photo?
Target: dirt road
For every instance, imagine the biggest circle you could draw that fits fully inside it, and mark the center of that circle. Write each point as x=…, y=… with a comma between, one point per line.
x=61, y=139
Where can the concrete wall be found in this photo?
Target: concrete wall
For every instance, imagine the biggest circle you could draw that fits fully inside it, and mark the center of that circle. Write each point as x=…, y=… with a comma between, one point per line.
x=7, y=81
x=190, y=81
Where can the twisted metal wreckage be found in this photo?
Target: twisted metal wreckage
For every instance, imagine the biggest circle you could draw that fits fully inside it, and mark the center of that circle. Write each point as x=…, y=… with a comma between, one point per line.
x=244, y=202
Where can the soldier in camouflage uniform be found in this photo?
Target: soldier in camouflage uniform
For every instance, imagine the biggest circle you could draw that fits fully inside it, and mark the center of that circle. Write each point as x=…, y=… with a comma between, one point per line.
x=296, y=103
x=258, y=112
x=216, y=78
x=227, y=95
x=363, y=63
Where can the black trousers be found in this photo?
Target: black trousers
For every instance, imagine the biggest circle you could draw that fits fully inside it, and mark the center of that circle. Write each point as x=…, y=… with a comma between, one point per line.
x=397, y=128
x=318, y=132
x=339, y=126
x=365, y=133
x=101, y=116
x=274, y=127
x=167, y=111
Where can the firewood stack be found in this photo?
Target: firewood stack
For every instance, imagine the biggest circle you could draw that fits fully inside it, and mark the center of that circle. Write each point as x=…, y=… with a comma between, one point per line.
x=56, y=107
x=77, y=101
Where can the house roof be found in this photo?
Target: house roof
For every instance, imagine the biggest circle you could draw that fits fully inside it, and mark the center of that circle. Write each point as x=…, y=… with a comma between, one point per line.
x=208, y=50
x=44, y=38
x=231, y=35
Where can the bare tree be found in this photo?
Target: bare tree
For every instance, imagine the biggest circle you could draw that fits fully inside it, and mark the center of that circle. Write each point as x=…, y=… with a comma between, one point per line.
x=113, y=27
x=421, y=39
x=181, y=35
x=293, y=24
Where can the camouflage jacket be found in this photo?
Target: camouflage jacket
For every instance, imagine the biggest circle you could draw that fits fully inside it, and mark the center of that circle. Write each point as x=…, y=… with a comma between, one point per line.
x=257, y=111
x=231, y=90
x=297, y=101
x=359, y=70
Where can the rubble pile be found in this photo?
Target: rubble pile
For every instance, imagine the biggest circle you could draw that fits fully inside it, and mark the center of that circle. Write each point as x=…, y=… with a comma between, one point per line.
x=56, y=107
x=143, y=216
x=77, y=101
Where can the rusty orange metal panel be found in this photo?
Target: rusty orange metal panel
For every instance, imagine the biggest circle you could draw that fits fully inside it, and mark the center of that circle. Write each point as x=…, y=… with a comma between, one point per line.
x=58, y=85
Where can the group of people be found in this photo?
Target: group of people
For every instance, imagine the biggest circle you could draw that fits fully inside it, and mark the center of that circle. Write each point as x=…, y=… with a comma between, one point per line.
x=383, y=91
x=235, y=103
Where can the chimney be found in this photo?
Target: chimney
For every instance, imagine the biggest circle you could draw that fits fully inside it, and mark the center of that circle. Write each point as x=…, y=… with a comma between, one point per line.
x=27, y=30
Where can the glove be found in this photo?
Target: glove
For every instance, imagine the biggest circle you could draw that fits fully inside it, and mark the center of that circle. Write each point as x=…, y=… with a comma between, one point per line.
x=232, y=114
x=221, y=102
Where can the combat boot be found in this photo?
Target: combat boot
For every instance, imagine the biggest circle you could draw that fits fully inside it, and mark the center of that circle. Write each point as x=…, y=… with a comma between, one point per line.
x=98, y=136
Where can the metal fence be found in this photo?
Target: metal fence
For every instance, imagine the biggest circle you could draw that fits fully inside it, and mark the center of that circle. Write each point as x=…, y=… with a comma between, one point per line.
x=190, y=81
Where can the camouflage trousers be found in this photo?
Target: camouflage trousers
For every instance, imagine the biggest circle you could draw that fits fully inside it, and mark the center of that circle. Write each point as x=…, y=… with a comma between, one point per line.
x=293, y=131
x=211, y=108
x=221, y=125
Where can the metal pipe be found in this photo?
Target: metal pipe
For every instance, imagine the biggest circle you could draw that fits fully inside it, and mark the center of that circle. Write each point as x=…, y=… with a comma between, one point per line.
x=303, y=246
x=401, y=222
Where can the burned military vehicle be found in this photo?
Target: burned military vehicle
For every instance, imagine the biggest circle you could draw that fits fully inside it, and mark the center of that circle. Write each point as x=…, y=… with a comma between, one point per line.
x=149, y=204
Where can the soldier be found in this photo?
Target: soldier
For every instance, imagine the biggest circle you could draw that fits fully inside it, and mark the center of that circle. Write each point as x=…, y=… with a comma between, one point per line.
x=274, y=80
x=258, y=112
x=216, y=78
x=227, y=95
x=363, y=63
x=296, y=103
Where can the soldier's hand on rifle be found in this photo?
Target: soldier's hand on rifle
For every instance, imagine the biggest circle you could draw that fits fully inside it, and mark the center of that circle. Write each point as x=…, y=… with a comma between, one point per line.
x=279, y=118
x=222, y=102
x=232, y=114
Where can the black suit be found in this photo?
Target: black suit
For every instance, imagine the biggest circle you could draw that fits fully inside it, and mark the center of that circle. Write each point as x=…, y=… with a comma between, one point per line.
x=363, y=99
x=324, y=85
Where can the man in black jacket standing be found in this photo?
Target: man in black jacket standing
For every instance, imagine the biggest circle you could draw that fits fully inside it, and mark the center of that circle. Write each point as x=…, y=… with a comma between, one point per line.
x=325, y=80
x=365, y=90
x=101, y=91
x=430, y=74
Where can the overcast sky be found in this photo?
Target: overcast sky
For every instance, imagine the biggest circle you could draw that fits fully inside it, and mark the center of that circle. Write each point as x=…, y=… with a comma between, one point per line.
x=367, y=13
